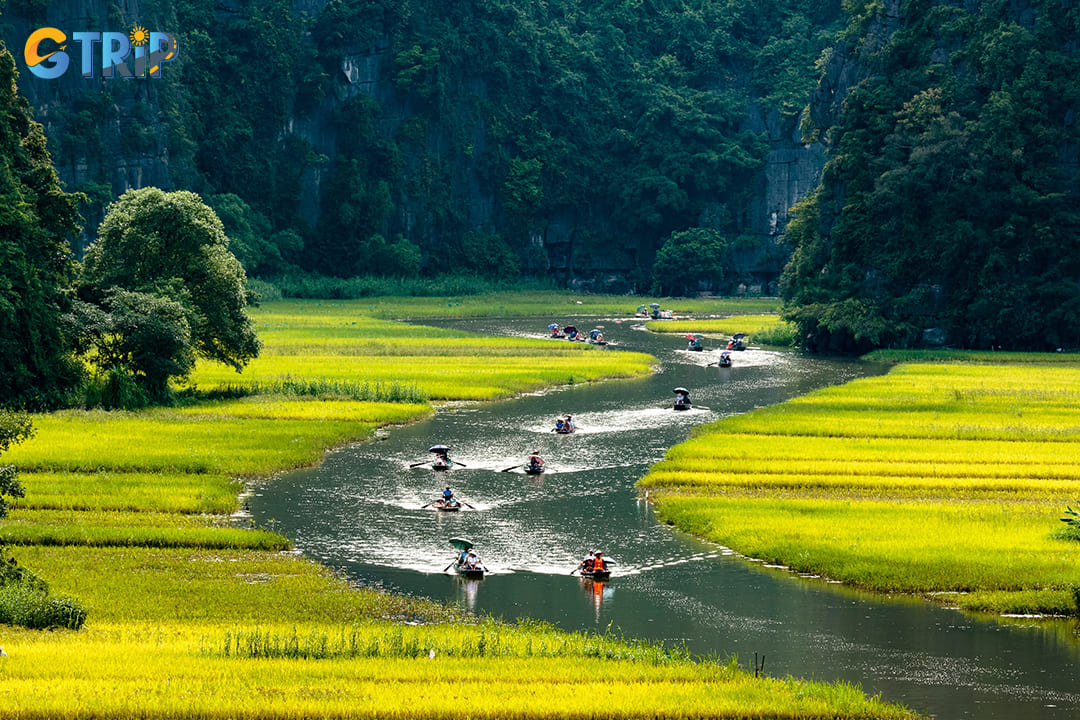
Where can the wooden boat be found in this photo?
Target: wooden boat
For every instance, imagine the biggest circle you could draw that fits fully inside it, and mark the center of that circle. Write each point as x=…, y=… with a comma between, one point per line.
x=531, y=469
x=474, y=573
x=682, y=405
x=682, y=399
x=440, y=463
x=725, y=359
x=443, y=506
x=736, y=342
x=596, y=574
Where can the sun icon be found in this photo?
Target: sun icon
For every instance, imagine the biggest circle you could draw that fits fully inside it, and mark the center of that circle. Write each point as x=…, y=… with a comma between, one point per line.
x=138, y=35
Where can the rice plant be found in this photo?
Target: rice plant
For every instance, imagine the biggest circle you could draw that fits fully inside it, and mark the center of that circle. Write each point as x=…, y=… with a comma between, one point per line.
x=935, y=478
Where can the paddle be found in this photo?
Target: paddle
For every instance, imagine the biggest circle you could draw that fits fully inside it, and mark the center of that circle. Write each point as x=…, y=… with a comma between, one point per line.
x=425, y=462
x=467, y=505
x=449, y=566
x=457, y=463
x=427, y=504
x=512, y=468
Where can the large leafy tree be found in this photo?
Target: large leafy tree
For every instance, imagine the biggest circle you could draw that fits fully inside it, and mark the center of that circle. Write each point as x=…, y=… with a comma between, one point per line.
x=689, y=259
x=173, y=244
x=950, y=203
x=37, y=221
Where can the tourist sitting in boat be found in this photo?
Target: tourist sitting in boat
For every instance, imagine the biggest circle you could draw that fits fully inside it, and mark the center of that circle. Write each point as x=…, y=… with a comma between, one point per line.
x=569, y=424
x=560, y=426
x=536, y=463
x=586, y=565
x=471, y=560
x=599, y=564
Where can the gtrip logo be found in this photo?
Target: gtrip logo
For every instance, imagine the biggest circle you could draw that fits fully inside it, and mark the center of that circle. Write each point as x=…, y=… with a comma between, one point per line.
x=138, y=54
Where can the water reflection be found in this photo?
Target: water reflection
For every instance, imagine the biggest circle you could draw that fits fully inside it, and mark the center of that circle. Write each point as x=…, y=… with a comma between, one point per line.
x=361, y=511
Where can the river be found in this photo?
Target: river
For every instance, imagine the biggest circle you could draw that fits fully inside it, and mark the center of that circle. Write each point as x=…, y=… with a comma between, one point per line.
x=360, y=511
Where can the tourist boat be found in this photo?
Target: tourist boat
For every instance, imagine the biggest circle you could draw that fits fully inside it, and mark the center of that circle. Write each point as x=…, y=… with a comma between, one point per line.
x=444, y=506
x=463, y=546
x=736, y=342
x=682, y=399
x=440, y=463
x=596, y=574
x=534, y=468
x=555, y=331
x=564, y=428
x=725, y=359
x=475, y=573
x=695, y=342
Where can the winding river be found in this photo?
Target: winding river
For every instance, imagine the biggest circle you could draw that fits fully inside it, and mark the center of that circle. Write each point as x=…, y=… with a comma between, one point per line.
x=361, y=511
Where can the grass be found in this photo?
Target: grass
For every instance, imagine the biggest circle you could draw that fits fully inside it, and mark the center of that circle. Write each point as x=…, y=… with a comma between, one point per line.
x=554, y=304
x=762, y=329
x=193, y=616
x=942, y=479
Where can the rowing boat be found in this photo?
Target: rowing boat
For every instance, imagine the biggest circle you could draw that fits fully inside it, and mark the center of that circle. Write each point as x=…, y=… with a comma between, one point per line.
x=596, y=574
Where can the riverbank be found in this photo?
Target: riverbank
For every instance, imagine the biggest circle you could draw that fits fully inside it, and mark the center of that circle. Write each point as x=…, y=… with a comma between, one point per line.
x=946, y=478
x=189, y=616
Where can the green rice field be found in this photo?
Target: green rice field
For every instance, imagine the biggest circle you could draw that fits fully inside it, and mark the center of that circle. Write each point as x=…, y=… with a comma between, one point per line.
x=192, y=614
x=946, y=479
x=765, y=329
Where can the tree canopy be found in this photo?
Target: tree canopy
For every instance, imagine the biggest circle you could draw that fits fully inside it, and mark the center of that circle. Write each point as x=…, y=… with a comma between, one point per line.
x=37, y=221
x=949, y=207
x=173, y=244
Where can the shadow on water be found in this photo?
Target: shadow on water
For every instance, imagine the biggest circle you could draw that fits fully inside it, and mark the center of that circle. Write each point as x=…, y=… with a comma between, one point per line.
x=361, y=511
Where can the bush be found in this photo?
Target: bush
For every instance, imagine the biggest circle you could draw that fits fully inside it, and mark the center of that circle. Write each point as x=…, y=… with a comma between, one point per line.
x=31, y=608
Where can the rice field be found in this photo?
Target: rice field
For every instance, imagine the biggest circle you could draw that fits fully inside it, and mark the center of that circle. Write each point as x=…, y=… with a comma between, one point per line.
x=193, y=615
x=749, y=324
x=337, y=344
x=946, y=479
x=554, y=304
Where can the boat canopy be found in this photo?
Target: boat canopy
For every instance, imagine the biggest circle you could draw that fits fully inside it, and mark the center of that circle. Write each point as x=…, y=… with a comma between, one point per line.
x=461, y=544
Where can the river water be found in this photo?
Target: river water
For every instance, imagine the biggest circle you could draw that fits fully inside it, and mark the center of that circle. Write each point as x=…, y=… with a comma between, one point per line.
x=360, y=511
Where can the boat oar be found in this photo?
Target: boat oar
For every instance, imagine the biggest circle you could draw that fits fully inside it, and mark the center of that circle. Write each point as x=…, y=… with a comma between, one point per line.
x=467, y=505
x=457, y=463
x=427, y=504
x=514, y=467
x=449, y=566
x=425, y=462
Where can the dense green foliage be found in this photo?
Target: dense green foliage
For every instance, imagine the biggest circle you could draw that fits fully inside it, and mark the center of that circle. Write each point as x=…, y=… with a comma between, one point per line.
x=372, y=136
x=24, y=597
x=173, y=245
x=37, y=220
x=950, y=200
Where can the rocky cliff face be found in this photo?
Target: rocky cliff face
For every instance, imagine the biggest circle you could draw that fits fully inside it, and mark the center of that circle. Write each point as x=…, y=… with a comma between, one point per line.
x=112, y=135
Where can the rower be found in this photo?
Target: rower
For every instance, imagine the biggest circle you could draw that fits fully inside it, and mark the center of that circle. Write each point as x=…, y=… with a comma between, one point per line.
x=447, y=495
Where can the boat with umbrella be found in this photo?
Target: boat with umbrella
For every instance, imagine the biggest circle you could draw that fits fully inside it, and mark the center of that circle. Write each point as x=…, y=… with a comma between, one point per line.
x=553, y=328
x=695, y=342
x=737, y=342
x=442, y=459
x=467, y=563
x=682, y=398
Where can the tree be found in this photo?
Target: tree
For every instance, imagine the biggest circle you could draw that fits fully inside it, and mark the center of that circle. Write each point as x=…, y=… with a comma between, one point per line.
x=145, y=336
x=151, y=240
x=689, y=258
x=37, y=220
x=14, y=428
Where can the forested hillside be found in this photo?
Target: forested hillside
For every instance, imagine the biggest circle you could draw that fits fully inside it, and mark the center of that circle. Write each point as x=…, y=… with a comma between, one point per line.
x=949, y=210
x=564, y=139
